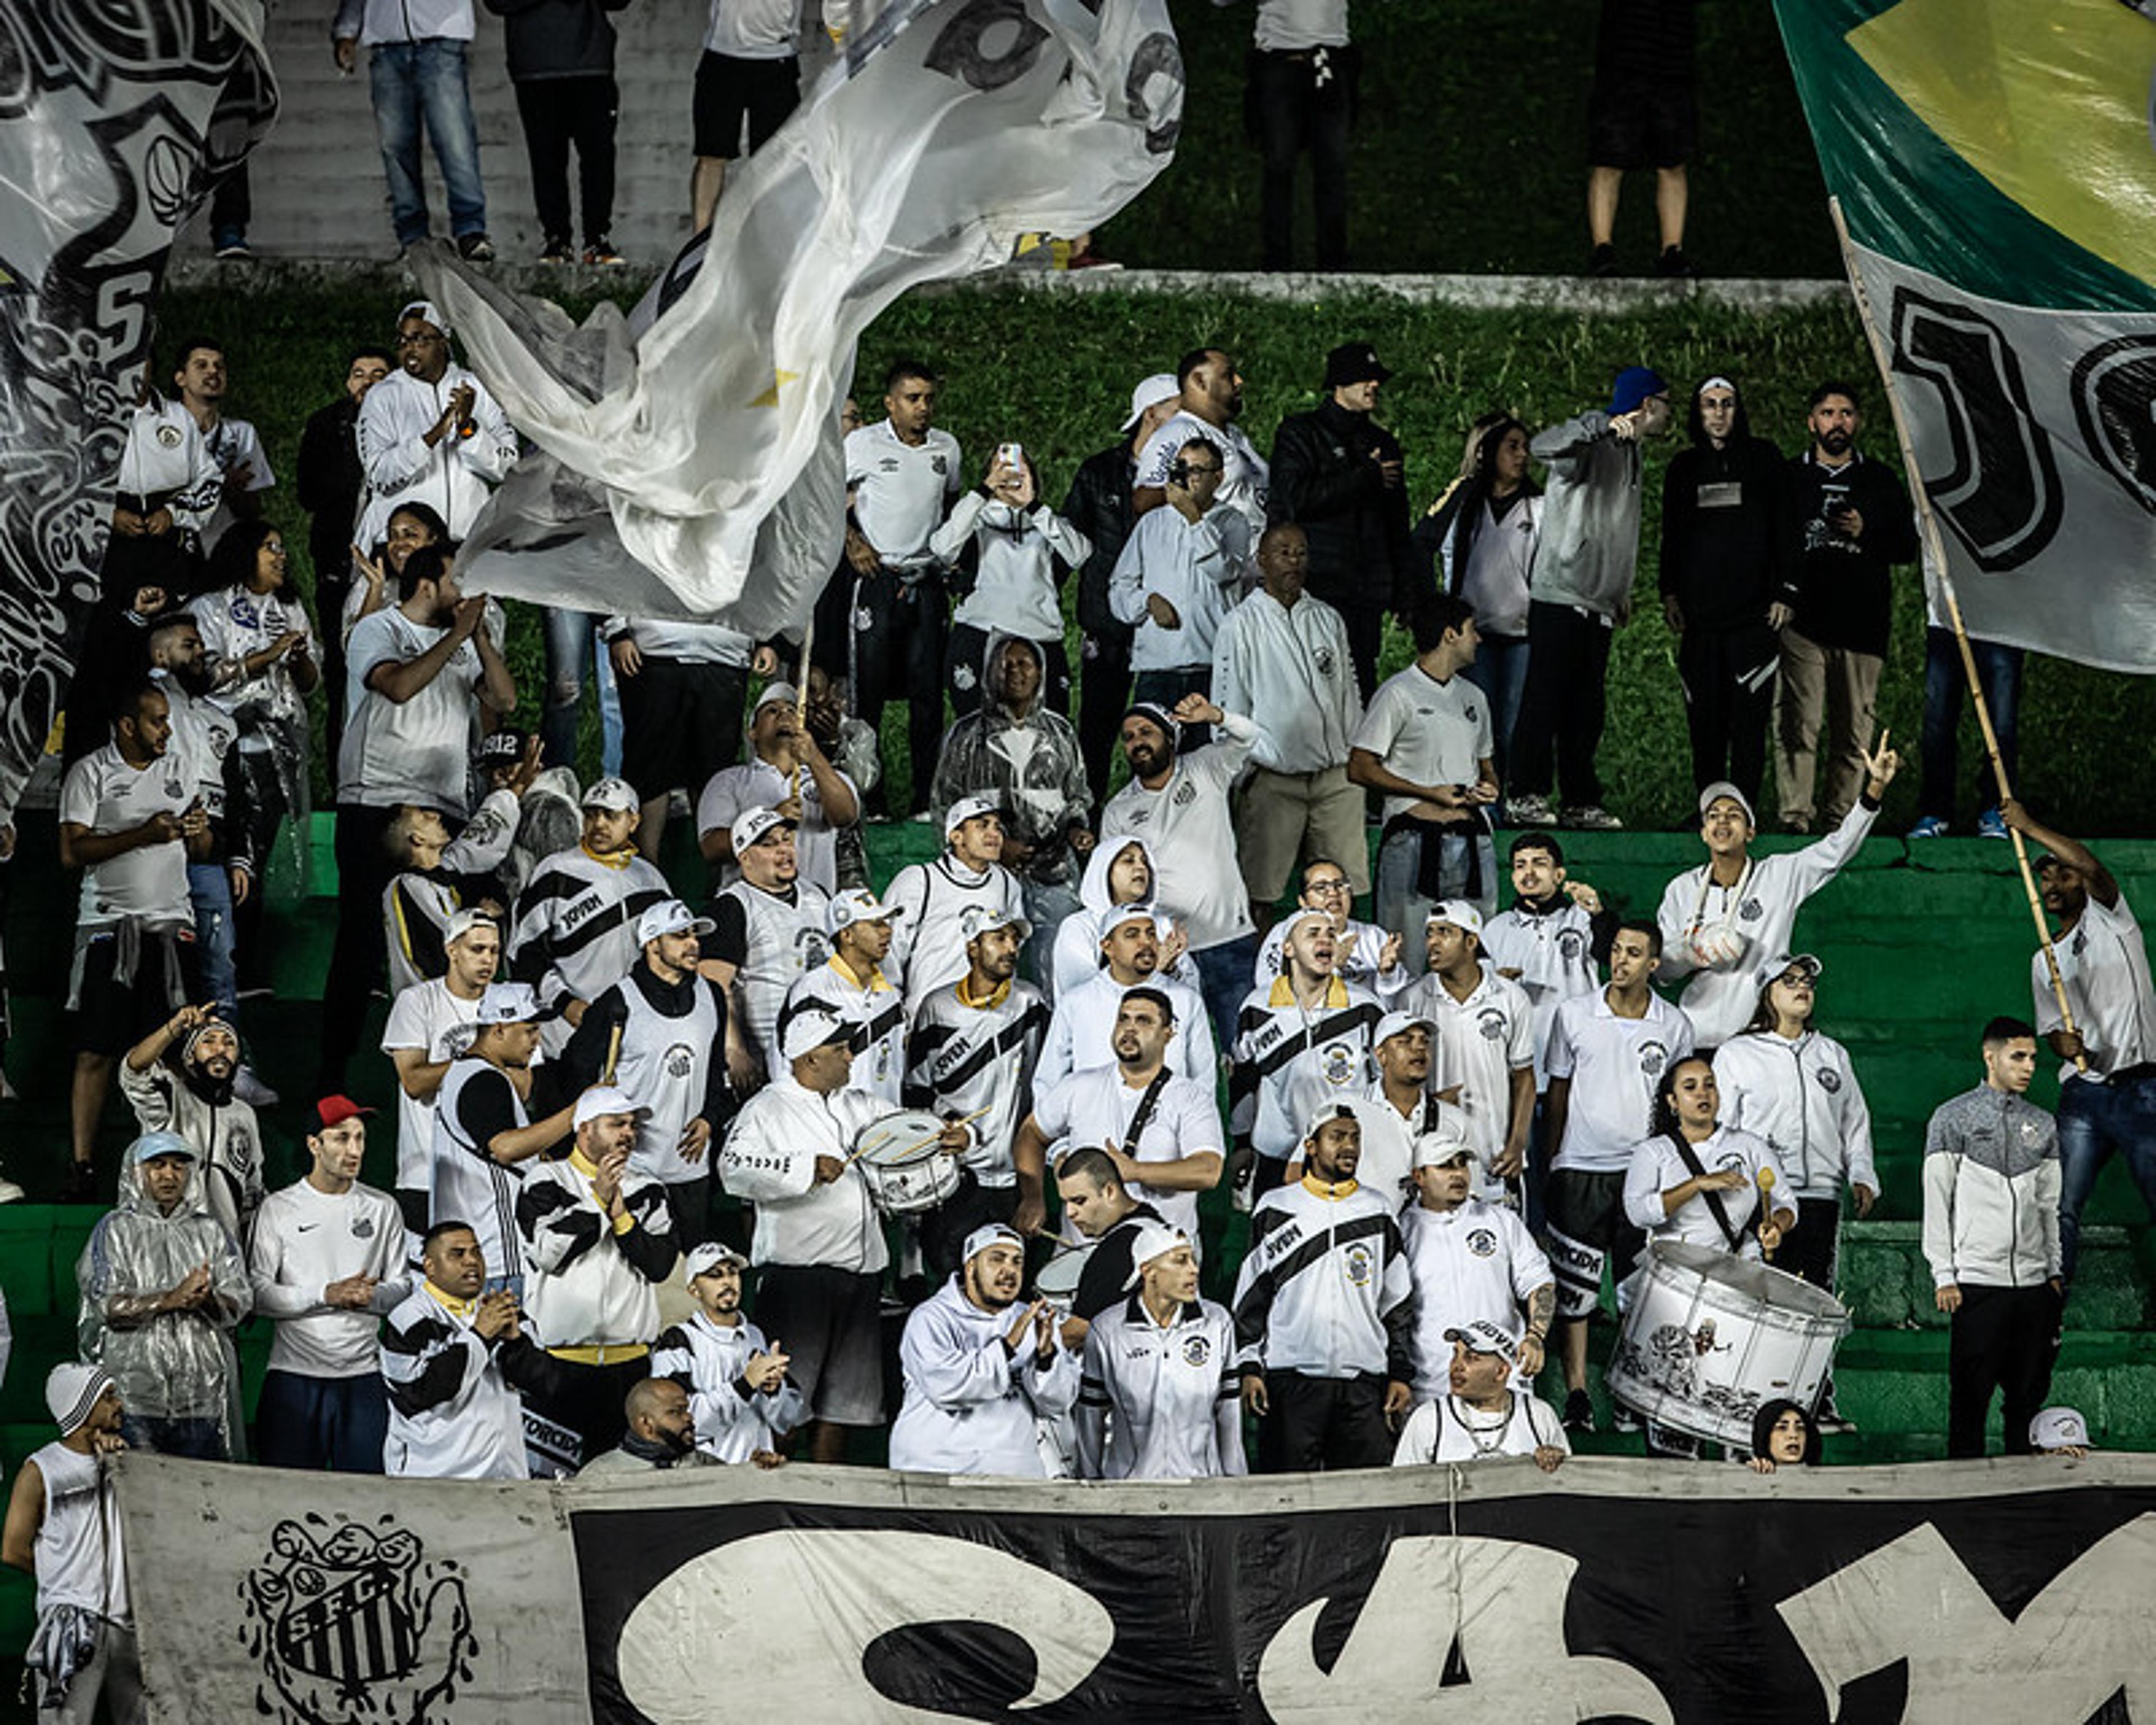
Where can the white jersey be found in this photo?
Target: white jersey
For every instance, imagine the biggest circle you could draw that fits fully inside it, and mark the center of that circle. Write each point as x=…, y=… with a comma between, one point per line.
x=81, y=1551
x=416, y=906
x=755, y=30
x=1324, y=1289
x=304, y=1239
x=1448, y=1430
x=1362, y=947
x=665, y=1062
x=590, y=1283
x=417, y=751
x=1289, y=1061
x=428, y=1017
x=1553, y=952
x=771, y=939
x=1190, y=836
x=1801, y=1096
x=1426, y=731
x=453, y=1414
x=1388, y=1138
x=1197, y=567
x=733, y=791
x=1613, y=1065
x=899, y=492
x=234, y=444
x=1081, y=1031
x=1657, y=1168
x=973, y=1406
x=165, y=464
x=575, y=932
x=962, y=1058
x=1720, y=936
x=1477, y=1261
x=733, y=1422
x=1161, y=1402
x=1246, y=479
x=874, y=1013
x=1098, y=1108
x=1480, y=1042
x=469, y=1185
x=928, y=938
x=2105, y=967
x=148, y=885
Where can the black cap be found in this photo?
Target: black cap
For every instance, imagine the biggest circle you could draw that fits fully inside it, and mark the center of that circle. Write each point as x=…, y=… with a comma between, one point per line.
x=1353, y=362
x=503, y=747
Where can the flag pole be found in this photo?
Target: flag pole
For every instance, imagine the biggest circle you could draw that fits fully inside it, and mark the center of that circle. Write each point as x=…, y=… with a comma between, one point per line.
x=1927, y=524
x=801, y=694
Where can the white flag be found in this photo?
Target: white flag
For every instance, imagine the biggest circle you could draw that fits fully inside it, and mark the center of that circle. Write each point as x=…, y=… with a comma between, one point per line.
x=709, y=440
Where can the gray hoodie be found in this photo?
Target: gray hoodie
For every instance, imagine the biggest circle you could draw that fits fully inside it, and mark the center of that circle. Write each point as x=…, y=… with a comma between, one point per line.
x=1029, y=761
x=1590, y=549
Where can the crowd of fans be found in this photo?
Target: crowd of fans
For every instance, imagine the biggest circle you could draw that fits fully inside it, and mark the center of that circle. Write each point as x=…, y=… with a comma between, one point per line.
x=982, y=1106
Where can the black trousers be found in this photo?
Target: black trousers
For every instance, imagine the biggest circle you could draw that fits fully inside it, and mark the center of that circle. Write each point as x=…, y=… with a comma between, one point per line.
x=557, y=113
x=2002, y=1341
x=1366, y=636
x=1813, y=1252
x=1291, y=111
x=1563, y=707
x=356, y=960
x=589, y=1400
x=898, y=631
x=1315, y=1423
x=1104, y=696
x=1727, y=721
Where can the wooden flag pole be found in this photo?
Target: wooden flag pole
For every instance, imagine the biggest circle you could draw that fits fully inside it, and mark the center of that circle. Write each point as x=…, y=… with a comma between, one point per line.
x=1927, y=524
x=801, y=696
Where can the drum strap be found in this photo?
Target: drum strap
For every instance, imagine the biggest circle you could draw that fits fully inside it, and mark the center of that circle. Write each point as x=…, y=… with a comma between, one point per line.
x=1143, y=1112
x=1729, y=1232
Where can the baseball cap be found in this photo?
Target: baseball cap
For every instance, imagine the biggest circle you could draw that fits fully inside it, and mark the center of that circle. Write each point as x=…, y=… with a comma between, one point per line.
x=776, y=694
x=1154, y=1240
x=1445, y=1142
x=1771, y=972
x=1354, y=363
x=1721, y=789
x=462, y=923
x=1459, y=913
x=978, y=920
x=752, y=825
x=967, y=808
x=1634, y=384
x=1301, y=914
x=2059, y=1429
x=335, y=1111
x=501, y=748
x=1116, y=916
x=1396, y=1024
x=1480, y=1336
x=703, y=1260
x=602, y=1100
x=72, y=1389
x=670, y=916
x=1153, y=713
x=857, y=904
x=806, y=1032
x=152, y=1145
x=1331, y=1111
x=1158, y=387
x=508, y=1004
x=987, y=1234
x=618, y=796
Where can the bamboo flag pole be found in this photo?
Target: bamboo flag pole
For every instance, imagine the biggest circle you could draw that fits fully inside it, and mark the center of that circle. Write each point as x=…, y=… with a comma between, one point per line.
x=1929, y=525
x=801, y=697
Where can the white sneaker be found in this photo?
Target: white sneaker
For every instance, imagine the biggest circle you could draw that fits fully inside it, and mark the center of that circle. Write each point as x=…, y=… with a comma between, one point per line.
x=10, y=1192
x=252, y=1090
x=1529, y=809
x=1592, y=818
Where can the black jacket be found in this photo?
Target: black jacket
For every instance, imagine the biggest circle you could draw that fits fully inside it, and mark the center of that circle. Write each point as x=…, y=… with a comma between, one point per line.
x=1845, y=595
x=1326, y=481
x=330, y=484
x=558, y=39
x=1099, y=505
x=1729, y=543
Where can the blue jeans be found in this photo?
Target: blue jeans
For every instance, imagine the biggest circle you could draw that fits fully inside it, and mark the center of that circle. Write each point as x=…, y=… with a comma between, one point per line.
x=209, y=889
x=316, y=1422
x=1999, y=669
x=1499, y=670
x=417, y=82
x=2094, y=1120
x=1225, y=975
x=569, y=636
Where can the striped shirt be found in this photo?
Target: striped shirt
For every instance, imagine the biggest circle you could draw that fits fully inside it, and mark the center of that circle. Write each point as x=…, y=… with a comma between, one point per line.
x=1290, y=1062
x=964, y=1055
x=575, y=933
x=1324, y=1289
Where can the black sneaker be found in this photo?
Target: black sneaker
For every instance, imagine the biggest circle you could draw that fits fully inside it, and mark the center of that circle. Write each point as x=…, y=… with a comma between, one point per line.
x=1579, y=1411
x=1675, y=265
x=1604, y=262
x=81, y=1186
x=600, y=255
x=558, y=251
x=475, y=248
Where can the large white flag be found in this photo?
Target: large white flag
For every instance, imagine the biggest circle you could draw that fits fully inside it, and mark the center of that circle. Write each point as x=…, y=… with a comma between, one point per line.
x=707, y=439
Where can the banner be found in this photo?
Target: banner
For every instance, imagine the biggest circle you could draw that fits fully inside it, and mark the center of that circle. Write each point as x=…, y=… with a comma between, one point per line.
x=1994, y=161
x=115, y=119
x=692, y=468
x=1681, y=1593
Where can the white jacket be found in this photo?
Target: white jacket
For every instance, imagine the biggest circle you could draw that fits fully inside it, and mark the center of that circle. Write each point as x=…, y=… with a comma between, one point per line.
x=455, y=476
x=733, y=1421
x=1804, y=1099
x=973, y=1405
x=1195, y=566
x=769, y=1158
x=1291, y=667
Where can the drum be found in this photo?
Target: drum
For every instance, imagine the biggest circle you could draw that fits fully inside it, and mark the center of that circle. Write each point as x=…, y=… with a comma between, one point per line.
x=1711, y=1338
x=1057, y=1283
x=903, y=1167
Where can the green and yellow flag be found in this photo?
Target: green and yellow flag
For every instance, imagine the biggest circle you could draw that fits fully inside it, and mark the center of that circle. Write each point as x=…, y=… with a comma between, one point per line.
x=1996, y=163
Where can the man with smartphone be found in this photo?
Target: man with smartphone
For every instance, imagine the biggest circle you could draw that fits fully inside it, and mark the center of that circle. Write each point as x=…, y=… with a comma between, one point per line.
x=1854, y=521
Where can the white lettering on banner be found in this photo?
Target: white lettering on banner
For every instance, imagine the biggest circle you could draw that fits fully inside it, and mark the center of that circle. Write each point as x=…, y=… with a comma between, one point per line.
x=787, y=1617
x=2081, y=1640
x=1504, y=1605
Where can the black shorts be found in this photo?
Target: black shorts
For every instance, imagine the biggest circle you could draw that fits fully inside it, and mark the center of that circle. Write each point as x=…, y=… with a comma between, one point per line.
x=1632, y=123
x=108, y=1016
x=680, y=722
x=730, y=90
x=1589, y=1208
x=830, y=1323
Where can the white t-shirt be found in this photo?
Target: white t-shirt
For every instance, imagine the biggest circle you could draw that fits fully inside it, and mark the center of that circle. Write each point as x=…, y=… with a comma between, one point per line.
x=2105, y=967
x=1656, y=1168
x=900, y=492
x=1477, y=1261
x=753, y=30
x=1286, y=26
x=1448, y=1430
x=733, y=791
x=1426, y=731
x=103, y=793
x=1191, y=836
x=1245, y=480
x=234, y=444
x=427, y=1017
x=1614, y=1066
x=419, y=752
x=305, y=1239
x=1094, y=1108
x=1482, y=1041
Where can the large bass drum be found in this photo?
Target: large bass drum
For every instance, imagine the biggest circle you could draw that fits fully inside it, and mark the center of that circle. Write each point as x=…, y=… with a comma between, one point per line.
x=1710, y=1338
x=904, y=1167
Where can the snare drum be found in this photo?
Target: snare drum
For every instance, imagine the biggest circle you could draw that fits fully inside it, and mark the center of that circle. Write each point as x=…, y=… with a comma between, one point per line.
x=1057, y=1283
x=1710, y=1338
x=902, y=1165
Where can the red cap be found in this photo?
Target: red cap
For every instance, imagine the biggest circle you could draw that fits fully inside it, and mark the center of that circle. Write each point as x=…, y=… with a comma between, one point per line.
x=335, y=1111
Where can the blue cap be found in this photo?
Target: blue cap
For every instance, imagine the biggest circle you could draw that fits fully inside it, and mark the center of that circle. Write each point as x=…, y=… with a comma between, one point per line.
x=1634, y=384
x=152, y=1145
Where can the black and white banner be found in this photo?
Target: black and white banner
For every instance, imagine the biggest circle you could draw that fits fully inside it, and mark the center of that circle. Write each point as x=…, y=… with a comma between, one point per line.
x=1702, y=1594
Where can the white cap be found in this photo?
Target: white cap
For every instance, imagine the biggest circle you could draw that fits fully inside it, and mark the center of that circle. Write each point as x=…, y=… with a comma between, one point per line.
x=618, y=796
x=1773, y=971
x=776, y=694
x=1459, y=913
x=967, y=808
x=1396, y=1024
x=1721, y=789
x=978, y=920
x=857, y=904
x=508, y=1004
x=426, y=312
x=72, y=1389
x=1480, y=1336
x=806, y=1032
x=2059, y=1429
x=703, y=1260
x=462, y=923
x=670, y=916
x=1444, y=1141
x=1326, y=1115
x=1301, y=914
x=1156, y=389
x=604, y=1100
x=1116, y=916
x=987, y=1234
x=752, y=825
x=1154, y=1240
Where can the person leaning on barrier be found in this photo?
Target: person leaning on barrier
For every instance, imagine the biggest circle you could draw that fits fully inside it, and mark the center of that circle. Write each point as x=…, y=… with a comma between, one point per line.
x=659, y=1434
x=1482, y=1414
x=741, y=1398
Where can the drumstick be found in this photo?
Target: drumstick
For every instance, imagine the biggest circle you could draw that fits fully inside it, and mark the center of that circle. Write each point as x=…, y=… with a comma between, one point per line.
x=1766, y=1207
x=613, y=1054
x=962, y=1120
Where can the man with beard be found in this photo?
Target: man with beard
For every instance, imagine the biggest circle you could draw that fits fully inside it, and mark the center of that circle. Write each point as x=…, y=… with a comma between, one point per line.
x=1338, y=475
x=981, y=1371
x=1323, y=1309
x=191, y=1093
x=1080, y=1029
x=1210, y=400
x=430, y=432
x=1482, y=1415
x=741, y=1401
x=661, y=1434
x=769, y=928
x=1855, y=523
x=1729, y=583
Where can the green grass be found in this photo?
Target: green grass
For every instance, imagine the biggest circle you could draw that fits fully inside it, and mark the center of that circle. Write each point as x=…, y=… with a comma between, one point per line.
x=1055, y=372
